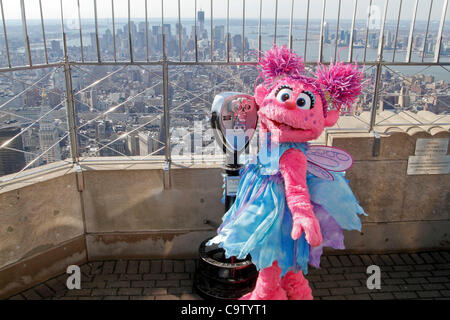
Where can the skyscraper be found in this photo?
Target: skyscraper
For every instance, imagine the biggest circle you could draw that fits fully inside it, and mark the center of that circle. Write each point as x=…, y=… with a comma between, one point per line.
x=167, y=29
x=93, y=41
x=237, y=42
x=56, y=50
x=142, y=26
x=388, y=39
x=156, y=30
x=326, y=34
x=11, y=161
x=403, y=98
x=48, y=134
x=219, y=33
x=148, y=143
x=201, y=19
x=133, y=144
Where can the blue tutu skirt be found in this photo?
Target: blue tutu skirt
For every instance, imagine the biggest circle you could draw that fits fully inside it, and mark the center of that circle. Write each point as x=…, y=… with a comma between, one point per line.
x=260, y=222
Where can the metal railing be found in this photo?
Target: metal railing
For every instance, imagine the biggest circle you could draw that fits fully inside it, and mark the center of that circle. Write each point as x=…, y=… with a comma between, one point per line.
x=178, y=59
x=217, y=57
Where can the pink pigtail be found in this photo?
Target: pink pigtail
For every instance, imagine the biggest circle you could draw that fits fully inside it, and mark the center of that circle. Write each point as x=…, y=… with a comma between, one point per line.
x=280, y=62
x=342, y=83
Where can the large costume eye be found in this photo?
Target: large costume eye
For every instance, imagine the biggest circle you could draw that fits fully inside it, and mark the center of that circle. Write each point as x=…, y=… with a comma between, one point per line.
x=306, y=100
x=284, y=94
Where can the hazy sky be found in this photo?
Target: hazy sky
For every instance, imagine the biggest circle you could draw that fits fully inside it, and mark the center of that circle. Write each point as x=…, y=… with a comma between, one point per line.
x=52, y=9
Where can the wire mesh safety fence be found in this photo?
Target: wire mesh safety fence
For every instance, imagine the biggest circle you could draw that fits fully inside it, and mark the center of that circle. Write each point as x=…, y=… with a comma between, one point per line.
x=134, y=79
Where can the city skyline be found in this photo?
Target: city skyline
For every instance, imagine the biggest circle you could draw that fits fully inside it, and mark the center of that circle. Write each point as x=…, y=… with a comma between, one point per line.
x=120, y=112
x=332, y=36
x=137, y=9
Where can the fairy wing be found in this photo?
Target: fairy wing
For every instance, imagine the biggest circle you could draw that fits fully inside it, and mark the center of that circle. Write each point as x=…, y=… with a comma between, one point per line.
x=329, y=158
x=319, y=171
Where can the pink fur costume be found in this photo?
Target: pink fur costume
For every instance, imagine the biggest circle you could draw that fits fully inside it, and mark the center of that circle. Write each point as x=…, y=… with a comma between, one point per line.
x=284, y=211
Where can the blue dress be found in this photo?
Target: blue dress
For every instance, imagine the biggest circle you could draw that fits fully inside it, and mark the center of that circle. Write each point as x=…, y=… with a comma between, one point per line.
x=260, y=222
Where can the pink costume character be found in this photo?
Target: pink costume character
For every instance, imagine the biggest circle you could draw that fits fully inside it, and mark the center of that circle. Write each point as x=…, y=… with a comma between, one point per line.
x=289, y=205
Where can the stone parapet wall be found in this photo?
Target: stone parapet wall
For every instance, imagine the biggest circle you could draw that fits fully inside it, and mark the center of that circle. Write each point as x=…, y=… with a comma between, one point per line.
x=128, y=213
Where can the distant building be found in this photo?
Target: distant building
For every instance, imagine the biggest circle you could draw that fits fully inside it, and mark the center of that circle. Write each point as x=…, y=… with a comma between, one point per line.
x=237, y=42
x=326, y=32
x=30, y=140
x=387, y=103
x=201, y=20
x=31, y=113
x=48, y=135
x=429, y=78
x=142, y=26
x=441, y=104
x=148, y=143
x=56, y=46
x=429, y=47
x=114, y=149
x=219, y=33
x=167, y=30
x=133, y=28
x=107, y=40
x=133, y=144
x=388, y=39
x=93, y=42
x=100, y=133
x=344, y=38
x=156, y=30
x=11, y=161
x=403, y=99
x=372, y=40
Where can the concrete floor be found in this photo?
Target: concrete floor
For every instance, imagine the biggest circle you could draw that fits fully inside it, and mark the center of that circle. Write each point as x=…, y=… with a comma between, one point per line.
x=424, y=275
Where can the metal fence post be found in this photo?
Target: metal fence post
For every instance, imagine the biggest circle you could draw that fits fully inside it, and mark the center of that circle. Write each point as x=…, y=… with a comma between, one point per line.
x=437, y=50
x=25, y=32
x=70, y=109
x=376, y=91
x=165, y=67
x=373, y=115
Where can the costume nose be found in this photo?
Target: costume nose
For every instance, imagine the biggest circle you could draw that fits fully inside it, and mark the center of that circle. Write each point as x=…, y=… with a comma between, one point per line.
x=290, y=104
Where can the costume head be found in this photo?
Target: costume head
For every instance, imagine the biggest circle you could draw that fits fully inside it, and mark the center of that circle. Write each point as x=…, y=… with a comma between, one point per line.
x=297, y=108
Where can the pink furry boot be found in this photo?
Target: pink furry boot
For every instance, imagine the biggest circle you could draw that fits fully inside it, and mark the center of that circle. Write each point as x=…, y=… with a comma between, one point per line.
x=296, y=286
x=268, y=285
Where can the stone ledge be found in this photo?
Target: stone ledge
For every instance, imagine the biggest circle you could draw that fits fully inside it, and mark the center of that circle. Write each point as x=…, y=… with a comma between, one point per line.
x=41, y=267
x=394, y=146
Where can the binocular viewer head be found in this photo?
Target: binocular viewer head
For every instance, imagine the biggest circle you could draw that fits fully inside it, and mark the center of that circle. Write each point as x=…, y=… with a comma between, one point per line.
x=234, y=120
